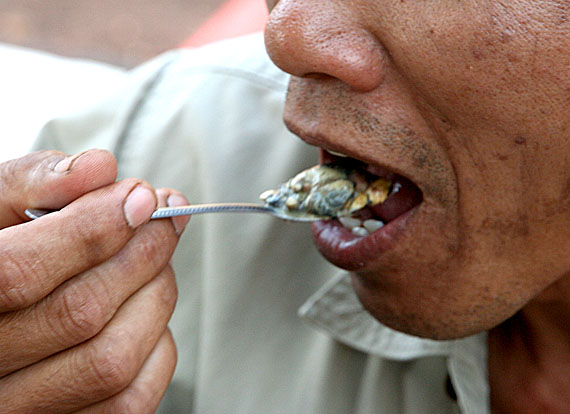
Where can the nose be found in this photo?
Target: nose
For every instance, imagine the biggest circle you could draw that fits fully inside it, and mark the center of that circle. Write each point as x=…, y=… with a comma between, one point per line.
x=313, y=38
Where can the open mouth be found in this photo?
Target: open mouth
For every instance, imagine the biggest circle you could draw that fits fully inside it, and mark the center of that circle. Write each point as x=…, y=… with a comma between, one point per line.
x=351, y=241
x=403, y=195
x=358, y=209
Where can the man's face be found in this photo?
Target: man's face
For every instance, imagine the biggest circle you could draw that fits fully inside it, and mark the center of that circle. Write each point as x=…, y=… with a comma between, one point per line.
x=470, y=100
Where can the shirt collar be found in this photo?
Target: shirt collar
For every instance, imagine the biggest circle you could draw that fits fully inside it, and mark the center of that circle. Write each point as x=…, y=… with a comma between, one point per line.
x=336, y=309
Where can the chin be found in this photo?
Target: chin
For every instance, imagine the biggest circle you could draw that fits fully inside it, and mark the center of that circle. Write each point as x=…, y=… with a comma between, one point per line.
x=403, y=270
x=438, y=302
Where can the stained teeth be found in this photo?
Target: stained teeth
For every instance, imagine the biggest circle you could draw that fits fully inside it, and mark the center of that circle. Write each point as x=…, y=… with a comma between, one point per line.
x=372, y=225
x=350, y=222
x=378, y=191
x=360, y=231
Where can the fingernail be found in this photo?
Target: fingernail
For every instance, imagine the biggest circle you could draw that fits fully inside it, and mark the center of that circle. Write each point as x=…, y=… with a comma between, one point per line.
x=66, y=163
x=139, y=206
x=179, y=222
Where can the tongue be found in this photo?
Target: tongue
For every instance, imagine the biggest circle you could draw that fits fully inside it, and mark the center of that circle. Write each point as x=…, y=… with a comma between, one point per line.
x=403, y=197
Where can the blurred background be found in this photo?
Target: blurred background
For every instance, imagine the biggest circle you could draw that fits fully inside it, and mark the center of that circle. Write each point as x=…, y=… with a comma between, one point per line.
x=58, y=56
x=120, y=32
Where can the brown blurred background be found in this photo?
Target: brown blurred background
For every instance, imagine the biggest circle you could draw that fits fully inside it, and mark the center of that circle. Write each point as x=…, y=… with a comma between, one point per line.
x=121, y=32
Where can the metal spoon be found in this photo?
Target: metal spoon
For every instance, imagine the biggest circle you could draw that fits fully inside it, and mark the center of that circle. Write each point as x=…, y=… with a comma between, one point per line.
x=165, y=212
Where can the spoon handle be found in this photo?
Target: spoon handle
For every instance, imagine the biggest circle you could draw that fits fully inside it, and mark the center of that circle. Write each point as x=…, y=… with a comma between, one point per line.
x=164, y=212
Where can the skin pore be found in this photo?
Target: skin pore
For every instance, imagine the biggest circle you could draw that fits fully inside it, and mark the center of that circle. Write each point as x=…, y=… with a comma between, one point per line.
x=471, y=101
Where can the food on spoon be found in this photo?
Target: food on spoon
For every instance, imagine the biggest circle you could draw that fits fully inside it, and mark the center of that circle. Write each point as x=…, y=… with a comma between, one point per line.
x=328, y=191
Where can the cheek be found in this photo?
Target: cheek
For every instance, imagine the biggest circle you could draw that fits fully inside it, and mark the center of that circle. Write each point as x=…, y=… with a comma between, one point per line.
x=495, y=86
x=480, y=66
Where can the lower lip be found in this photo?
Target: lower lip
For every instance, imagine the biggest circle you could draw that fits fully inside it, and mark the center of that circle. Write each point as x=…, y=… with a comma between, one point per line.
x=345, y=250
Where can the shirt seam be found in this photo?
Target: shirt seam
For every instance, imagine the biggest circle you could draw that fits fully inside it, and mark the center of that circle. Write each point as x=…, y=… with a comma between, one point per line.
x=251, y=76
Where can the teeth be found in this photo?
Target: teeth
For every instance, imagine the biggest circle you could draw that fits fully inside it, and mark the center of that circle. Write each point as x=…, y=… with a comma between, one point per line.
x=360, y=231
x=396, y=187
x=378, y=191
x=350, y=222
x=360, y=228
x=372, y=225
x=338, y=154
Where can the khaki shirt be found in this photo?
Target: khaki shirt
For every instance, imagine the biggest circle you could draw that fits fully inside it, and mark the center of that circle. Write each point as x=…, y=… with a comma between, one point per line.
x=208, y=122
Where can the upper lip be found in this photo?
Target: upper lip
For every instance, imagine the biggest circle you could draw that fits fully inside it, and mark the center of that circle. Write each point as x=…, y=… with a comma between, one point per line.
x=373, y=166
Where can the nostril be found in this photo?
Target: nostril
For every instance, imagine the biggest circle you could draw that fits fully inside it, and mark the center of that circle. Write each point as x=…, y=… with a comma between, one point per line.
x=316, y=75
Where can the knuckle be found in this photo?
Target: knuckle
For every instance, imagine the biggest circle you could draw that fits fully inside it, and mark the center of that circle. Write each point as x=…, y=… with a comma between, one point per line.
x=17, y=274
x=14, y=173
x=8, y=173
x=11, y=171
x=111, y=365
x=82, y=312
x=12, y=295
x=92, y=243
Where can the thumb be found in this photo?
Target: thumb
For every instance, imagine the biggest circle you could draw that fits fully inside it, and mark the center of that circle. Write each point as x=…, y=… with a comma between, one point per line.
x=50, y=180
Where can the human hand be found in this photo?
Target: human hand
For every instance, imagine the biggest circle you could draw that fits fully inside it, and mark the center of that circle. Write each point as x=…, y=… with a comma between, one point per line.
x=85, y=293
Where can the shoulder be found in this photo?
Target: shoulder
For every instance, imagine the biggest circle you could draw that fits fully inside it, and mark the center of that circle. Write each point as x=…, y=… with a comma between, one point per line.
x=242, y=58
x=220, y=69
x=202, y=107
x=230, y=81
x=180, y=94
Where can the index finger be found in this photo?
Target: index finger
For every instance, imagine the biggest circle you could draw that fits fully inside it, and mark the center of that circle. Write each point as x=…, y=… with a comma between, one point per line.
x=50, y=179
x=38, y=256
